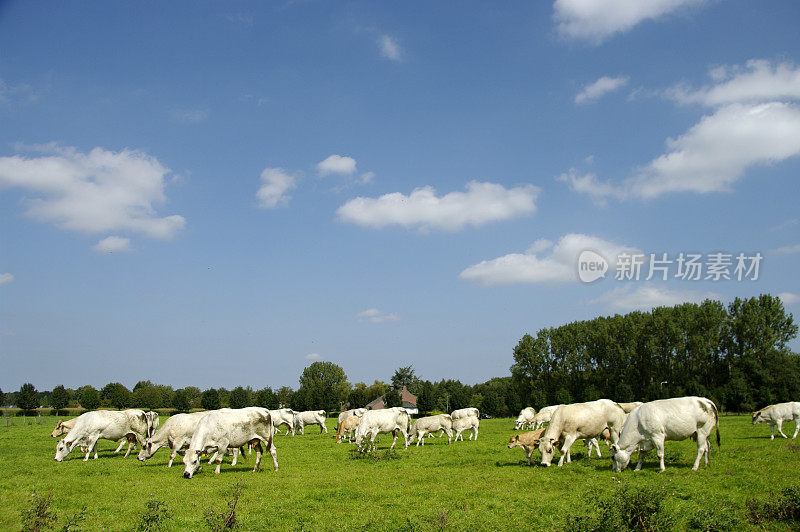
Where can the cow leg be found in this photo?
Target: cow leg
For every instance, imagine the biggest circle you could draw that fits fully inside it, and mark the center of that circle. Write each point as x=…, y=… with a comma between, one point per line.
x=259, y=452
x=235, y=456
x=221, y=450
x=642, y=454
x=568, y=441
x=92, y=444
x=771, y=431
x=780, y=428
x=119, y=447
x=796, y=427
x=702, y=449
x=173, y=454
x=324, y=427
x=658, y=443
x=394, y=440
x=449, y=435
x=594, y=443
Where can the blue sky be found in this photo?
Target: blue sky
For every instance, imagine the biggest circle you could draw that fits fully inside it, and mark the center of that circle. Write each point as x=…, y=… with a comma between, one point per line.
x=217, y=194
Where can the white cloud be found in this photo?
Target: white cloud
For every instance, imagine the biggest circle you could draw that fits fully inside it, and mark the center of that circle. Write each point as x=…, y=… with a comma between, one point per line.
x=6, y=278
x=367, y=177
x=759, y=80
x=113, y=244
x=788, y=298
x=313, y=356
x=390, y=48
x=595, y=20
x=787, y=250
x=627, y=298
x=560, y=266
x=599, y=88
x=337, y=164
x=374, y=315
x=748, y=127
x=100, y=191
x=480, y=204
x=273, y=190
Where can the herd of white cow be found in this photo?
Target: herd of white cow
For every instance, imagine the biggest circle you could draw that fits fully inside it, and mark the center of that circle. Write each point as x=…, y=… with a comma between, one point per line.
x=626, y=427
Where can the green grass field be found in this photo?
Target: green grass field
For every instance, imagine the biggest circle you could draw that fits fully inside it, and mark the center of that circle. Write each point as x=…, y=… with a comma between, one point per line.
x=476, y=485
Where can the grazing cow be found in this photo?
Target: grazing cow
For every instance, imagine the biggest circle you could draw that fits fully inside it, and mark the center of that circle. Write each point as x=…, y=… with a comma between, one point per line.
x=349, y=413
x=347, y=426
x=383, y=421
x=544, y=416
x=526, y=416
x=102, y=424
x=431, y=424
x=310, y=417
x=62, y=427
x=650, y=425
x=283, y=416
x=464, y=412
x=775, y=415
x=529, y=441
x=628, y=407
x=176, y=432
x=152, y=422
x=466, y=423
x=222, y=429
x=580, y=420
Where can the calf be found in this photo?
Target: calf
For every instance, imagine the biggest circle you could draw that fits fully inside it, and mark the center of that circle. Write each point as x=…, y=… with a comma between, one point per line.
x=347, y=426
x=466, y=423
x=526, y=417
x=529, y=441
x=310, y=417
x=431, y=424
x=775, y=415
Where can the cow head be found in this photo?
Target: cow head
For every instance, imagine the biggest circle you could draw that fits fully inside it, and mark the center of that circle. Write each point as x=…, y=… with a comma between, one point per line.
x=62, y=450
x=59, y=430
x=192, y=462
x=548, y=448
x=147, y=450
x=513, y=441
x=758, y=417
x=619, y=458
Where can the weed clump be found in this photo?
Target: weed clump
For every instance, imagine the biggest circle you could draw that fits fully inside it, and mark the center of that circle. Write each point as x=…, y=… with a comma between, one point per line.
x=629, y=509
x=225, y=519
x=155, y=516
x=37, y=515
x=781, y=506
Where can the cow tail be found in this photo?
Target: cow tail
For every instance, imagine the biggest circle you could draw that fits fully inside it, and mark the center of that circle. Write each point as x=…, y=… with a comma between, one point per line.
x=716, y=421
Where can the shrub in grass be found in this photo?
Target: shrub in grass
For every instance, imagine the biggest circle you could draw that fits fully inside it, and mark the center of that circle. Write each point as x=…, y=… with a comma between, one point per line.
x=714, y=519
x=781, y=506
x=628, y=508
x=225, y=519
x=155, y=516
x=74, y=522
x=37, y=515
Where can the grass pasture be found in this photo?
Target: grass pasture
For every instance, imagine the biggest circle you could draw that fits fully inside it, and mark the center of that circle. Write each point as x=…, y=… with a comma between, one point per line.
x=320, y=486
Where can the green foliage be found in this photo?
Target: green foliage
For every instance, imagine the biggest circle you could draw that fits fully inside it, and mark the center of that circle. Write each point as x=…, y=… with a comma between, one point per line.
x=180, y=401
x=357, y=398
x=2, y=398
x=738, y=356
x=155, y=516
x=88, y=397
x=285, y=395
x=149, y=396
x=266, y=398
x=240, y=397
x=219, y=521
x=116, y=395
x=28, y=398
x=405, y=376
x=37, y=515
x=714, y=518
x=629, y=508
x=392, y=399
x=73, y=523
x=209, y=400
x=426, y=401
x=59, y=398
x=323, y=385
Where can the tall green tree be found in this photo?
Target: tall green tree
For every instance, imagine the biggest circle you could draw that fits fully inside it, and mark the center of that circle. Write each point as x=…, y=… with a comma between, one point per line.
x=357, y=398
x=323, y=386
x=405, y=376
x=180, y=401
x=116, y=395
x=209, y=400
x=59, y=398
x=88, y=397
x=28, y=398
x=392, y=398
x=240, y=398
x=266, y=398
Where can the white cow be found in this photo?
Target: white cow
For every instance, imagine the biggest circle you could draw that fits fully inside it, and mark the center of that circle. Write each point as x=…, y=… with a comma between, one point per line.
x=651, y=424
x=152, y=422
x=223, y=429
x=628, y=407
x=384, y=421
x=430, y=425
x=102, y=424
x=580, y=420
x=544, y=416
x=283, y=416
x=525, y=418
x=775, y=415
x=464, y=412
x=176, y=432
x=348, y=413
x=466, y=423
x=310, y=417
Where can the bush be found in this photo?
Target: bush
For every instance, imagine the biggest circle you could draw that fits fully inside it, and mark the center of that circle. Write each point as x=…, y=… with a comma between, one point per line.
x=225, y=519
x=155, y=516
x=714, y=519
x=628, y=508
x=783, y=506
x=36, y=515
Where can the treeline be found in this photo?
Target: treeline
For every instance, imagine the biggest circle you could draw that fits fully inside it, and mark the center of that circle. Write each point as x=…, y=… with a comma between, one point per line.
x=737, y=356
x=323, y=385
